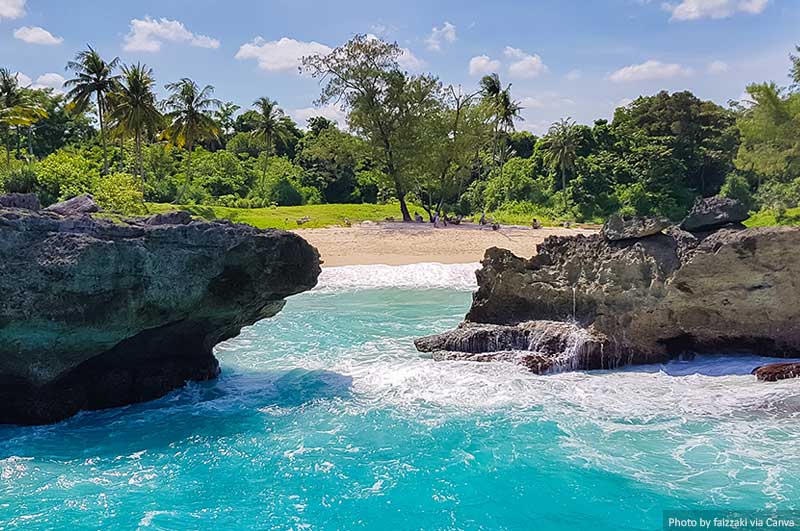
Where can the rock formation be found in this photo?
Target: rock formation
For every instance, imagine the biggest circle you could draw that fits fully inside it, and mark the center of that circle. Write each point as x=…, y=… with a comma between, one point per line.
x=97, y=314
x=590, y=302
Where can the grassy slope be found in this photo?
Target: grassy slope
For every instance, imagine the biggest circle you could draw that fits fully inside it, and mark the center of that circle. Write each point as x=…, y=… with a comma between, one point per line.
x=767, y=218
x=286, y=217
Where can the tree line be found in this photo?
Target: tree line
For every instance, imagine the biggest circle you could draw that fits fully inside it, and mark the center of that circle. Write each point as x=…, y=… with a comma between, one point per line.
x=408, y=138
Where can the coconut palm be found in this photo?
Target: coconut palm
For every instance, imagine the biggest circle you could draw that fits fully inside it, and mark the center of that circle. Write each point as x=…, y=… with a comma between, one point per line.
x=19, y=107
x=190, y=111
x=133, y=110
x=270, y=125
x=94, y=77
x=504, y=110
x=562, y=147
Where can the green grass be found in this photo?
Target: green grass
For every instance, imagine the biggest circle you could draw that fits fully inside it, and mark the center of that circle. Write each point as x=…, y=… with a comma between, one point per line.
x=767, y=218
x=286, y=217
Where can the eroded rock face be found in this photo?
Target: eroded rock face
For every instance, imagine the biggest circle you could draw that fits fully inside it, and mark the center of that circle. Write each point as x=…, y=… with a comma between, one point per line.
x=82, y=204
x=95, y=314
x=713, y=212
x=26, y=201
x=777, y=371
x=621, y=228
x=640, y=300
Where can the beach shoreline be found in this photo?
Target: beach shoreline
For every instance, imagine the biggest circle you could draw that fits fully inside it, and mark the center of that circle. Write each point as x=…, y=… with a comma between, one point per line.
x=394, y=243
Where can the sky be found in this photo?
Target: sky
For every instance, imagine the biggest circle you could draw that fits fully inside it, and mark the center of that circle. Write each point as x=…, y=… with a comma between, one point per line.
x=564, y=58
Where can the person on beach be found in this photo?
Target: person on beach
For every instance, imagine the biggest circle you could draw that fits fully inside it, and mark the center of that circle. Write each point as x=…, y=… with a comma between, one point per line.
x=417, y=217
x=483, y=218
x=436, y=220
x=535, y=224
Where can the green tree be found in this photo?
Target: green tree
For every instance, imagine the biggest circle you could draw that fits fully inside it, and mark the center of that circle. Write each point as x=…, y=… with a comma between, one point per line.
x=133, y=109
x=94, y=77
x=189, y=111
x=19, y=107
x=386, y=106
x=269, y=125
x=562, y=146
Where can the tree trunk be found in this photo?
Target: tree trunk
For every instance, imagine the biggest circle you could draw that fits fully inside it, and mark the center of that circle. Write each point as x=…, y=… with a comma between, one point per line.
x=564, y=187
x=7, y=142
x=102, y=133
x=139, y=164
x=401, y=196
x=188, y=174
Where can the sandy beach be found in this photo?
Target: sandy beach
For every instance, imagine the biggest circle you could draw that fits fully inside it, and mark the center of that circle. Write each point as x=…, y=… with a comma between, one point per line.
x=410, y=243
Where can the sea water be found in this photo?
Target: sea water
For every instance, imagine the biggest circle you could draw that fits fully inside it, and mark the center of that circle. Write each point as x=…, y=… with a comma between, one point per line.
x=326, y=418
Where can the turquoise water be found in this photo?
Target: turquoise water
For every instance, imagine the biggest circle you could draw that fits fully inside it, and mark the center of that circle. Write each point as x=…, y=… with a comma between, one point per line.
x=326, y=418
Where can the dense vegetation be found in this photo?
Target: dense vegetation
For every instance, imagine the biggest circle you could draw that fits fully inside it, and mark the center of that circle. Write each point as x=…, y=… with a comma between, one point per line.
x=409, y=140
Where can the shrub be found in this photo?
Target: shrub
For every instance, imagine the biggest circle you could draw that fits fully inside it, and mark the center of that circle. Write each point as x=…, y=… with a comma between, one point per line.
x=65, y=174
x=737, y=187
x=120, y=192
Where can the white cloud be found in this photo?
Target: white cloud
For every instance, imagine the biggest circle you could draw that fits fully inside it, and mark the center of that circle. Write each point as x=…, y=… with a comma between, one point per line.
x=12, y=8
x=37, y=35
x=410, y=61
x=718, y=67
x=282, y=55
x=624, y=102
x=149, y=34
x=49, y=80
x=649, y=70
x=447, y=33
x=697, y=9
x=482, y=64
x=525, y=65
x=574, y=75
x=547, y=100
x=331, y=112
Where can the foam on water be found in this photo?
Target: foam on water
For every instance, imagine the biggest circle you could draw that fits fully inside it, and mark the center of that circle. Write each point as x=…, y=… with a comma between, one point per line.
x=326, y=417
x=460, y=277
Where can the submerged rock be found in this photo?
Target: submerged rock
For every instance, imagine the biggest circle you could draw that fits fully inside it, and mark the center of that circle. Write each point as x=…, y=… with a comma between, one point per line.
x=778, y=371
x=95, y=314
x=714, y=212
x=624, y=228
x=82, y=204
x=637, y=300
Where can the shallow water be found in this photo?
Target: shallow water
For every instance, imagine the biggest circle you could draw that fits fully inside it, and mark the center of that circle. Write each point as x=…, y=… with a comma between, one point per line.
x=326, y=418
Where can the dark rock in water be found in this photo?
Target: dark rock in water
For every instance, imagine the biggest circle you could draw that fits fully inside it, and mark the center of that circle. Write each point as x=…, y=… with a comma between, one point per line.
x=25, y=201
x=623, y=228
x=637, y=301
x=95, y=314
x=82, y=204
x=714, y=212
x=778, y=371
x=180, y=217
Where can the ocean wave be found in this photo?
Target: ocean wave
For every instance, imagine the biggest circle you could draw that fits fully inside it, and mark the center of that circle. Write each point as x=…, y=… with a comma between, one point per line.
x=459, y=277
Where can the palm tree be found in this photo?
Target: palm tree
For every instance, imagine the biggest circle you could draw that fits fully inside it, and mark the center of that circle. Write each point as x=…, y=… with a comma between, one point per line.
x=19, y=107
x=190, y=109
x=270, y=124
x=133, y=109
x=504, y=109
x=562, y=147
x=94, y=77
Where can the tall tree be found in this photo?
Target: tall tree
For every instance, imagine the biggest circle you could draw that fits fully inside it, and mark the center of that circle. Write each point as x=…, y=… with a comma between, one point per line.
x=269, y=125
x=94, y=77
x=19, y=107
x=386, y=106
x=504, y=110
x=133, y=109
x=562, y=150
x=190, y=113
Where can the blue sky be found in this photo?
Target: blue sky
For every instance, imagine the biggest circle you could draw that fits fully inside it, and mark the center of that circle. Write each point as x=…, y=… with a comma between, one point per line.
x=578, y=58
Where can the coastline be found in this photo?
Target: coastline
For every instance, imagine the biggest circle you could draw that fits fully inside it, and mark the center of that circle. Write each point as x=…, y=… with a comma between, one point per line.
x=394, y=243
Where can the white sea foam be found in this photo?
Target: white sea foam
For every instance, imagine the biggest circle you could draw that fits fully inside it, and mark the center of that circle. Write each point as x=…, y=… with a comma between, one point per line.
x=460, y=277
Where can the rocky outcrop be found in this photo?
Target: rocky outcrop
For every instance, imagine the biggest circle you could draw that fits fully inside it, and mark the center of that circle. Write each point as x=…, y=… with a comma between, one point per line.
x=625, y=228
x=26, y=201
x=82, y=204
x=777, y=371
x=637, y=300
x=714, y=212
x=96, y=314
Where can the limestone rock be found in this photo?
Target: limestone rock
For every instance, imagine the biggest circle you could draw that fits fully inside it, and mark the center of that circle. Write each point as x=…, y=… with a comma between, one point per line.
x=25, y=201
x=625, y=228
x=96, y=314
x=639, y=300
x=82, y=204
x=714, y=212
